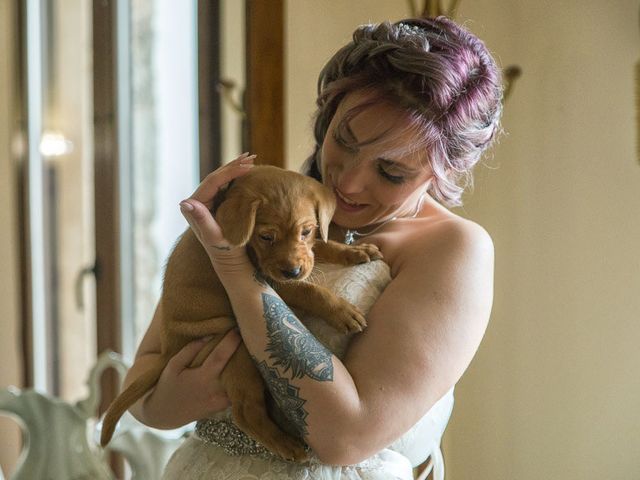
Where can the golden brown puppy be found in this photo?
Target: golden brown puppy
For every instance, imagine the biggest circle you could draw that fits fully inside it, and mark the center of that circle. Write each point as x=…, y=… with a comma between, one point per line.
x=277, y=215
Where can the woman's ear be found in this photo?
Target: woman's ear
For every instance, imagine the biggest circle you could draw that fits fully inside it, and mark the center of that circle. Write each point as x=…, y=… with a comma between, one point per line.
x=236, y=216
x=325, y=203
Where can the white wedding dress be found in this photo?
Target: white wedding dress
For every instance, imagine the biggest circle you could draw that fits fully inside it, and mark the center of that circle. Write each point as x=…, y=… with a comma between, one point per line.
x=214, y=455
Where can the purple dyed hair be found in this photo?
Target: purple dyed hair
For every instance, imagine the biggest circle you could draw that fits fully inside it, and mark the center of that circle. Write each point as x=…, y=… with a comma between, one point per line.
x=439, y=74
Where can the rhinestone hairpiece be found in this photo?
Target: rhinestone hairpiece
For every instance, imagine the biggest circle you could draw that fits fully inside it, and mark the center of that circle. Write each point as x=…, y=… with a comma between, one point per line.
x=407, y=29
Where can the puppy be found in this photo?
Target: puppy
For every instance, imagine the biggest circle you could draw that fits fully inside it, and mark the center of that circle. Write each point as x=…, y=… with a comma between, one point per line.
x=277, y=215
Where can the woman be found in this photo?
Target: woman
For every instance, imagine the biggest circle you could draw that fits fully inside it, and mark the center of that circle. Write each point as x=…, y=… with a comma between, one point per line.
x=405, y=111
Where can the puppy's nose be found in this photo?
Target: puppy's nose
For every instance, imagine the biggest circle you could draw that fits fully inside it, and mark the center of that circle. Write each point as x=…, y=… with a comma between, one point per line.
x=293, y=273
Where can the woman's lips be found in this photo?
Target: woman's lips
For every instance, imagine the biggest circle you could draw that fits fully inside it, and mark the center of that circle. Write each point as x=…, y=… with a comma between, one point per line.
x=348, y=205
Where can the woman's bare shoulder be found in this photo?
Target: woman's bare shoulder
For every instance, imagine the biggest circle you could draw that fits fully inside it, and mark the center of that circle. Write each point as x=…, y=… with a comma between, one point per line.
x=454, y=235
x=443, y=237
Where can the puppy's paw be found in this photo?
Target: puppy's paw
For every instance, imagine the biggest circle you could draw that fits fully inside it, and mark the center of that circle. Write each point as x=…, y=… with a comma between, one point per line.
x=362, y=253
x=290, y=448
x=348, y=318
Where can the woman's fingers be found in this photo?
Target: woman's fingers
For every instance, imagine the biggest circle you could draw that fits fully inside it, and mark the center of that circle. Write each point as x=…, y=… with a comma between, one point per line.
x=223, y=175
x=195, y=209
x=203, y=224
x=187, y=354
x=220, y=355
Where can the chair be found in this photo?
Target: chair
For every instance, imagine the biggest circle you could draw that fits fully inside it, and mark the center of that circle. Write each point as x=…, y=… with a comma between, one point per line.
x=61, y=440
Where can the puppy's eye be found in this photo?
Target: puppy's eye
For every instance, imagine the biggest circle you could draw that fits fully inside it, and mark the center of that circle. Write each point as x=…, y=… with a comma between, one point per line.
x=305, y=232
x=266, y=237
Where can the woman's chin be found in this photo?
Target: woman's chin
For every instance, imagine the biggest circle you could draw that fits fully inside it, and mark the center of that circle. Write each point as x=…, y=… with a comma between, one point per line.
x=350, y=221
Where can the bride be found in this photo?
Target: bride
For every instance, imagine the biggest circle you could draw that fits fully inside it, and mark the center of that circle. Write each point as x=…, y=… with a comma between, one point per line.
x=405, y=111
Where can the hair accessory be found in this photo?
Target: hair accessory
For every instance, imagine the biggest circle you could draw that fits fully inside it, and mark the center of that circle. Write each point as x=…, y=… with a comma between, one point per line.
x=350, y=235
x=407, y=29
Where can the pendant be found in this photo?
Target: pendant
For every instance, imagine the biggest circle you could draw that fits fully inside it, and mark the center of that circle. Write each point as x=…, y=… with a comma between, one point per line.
x=349, y=237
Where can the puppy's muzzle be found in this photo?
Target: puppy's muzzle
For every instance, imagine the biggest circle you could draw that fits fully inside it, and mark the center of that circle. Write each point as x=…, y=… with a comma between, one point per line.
x=292, y=273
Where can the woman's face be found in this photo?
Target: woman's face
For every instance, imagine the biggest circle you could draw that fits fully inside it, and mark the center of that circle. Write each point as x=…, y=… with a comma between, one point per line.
x=371, y=185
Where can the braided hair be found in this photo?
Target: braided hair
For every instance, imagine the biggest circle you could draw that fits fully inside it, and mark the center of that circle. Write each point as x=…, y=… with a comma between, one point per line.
x=439, y=74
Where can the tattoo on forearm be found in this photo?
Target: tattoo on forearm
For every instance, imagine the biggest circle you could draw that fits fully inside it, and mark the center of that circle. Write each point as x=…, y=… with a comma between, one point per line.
x=291, y=346
x=286, y=396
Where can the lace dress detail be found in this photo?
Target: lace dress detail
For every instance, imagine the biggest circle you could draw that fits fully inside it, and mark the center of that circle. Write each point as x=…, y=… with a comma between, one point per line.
x=212, y=451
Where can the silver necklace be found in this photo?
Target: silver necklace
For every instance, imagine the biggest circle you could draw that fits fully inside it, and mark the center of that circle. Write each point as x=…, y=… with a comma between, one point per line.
x=350, y=235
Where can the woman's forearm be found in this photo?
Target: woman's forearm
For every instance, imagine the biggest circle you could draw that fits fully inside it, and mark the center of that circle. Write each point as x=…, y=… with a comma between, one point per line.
x=311, y=385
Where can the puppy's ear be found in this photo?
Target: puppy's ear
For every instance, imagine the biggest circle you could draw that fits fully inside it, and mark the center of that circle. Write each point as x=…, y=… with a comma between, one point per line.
x=236, y=216
x=325, y=206
x=221, y=196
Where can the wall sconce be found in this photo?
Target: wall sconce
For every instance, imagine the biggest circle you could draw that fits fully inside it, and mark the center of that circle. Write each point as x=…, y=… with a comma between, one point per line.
x=434, y=8
x=55, y=144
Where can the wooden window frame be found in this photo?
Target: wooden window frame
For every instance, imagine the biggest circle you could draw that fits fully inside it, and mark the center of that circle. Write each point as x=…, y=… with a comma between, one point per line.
x=264, y=102
x=265, y=80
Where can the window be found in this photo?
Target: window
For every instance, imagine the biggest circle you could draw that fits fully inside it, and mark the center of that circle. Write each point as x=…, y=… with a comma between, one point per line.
x=129, y=103
x=59, y=188
x=162, y=167
x=149, y=85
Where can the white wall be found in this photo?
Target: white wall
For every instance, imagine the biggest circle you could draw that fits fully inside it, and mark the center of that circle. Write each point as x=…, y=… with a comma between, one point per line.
x=10, y=372
x=554, y=389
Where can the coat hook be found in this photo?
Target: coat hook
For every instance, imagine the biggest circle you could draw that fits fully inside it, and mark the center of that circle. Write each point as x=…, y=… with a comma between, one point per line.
x=226, y=88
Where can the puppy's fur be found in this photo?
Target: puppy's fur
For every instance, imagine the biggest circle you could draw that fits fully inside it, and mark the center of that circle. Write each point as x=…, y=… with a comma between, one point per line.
x=277, y=215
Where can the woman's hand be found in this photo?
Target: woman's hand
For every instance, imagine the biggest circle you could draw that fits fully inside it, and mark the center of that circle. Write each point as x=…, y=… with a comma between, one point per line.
x=182, y=394
x=196, y=209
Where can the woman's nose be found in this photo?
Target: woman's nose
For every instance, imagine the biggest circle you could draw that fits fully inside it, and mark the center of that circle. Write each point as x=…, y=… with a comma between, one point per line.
x=352, y=178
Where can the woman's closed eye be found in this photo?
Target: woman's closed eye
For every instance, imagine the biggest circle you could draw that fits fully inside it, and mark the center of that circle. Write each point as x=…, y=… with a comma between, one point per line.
x=386, y=168
x=387, y=175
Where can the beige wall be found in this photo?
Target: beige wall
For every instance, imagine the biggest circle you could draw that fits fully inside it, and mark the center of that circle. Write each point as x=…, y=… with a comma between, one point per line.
x=314, y=30
x=10, y=373
x=554, y=389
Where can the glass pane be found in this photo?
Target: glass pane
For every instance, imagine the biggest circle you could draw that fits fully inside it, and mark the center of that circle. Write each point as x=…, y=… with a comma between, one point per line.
x=163, y=166
x=66, y=149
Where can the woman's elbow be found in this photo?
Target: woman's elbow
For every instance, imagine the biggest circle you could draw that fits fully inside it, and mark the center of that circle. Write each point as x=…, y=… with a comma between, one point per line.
x=341, y=451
